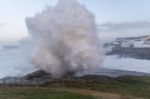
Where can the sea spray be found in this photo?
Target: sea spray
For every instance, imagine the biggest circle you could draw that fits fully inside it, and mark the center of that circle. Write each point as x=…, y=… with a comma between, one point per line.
x=64, y=39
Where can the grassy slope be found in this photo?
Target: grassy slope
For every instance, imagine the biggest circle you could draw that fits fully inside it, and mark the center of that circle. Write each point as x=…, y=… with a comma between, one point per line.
x=55, y=93
x=38, y=93
x=127, y=86
x=134, y=86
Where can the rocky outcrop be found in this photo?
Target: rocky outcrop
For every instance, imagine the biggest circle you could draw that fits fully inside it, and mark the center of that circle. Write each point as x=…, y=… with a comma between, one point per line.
x=36, y=78
x=42, y=78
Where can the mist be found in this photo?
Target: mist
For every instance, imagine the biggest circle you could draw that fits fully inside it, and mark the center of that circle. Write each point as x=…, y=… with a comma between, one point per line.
x=64, y=39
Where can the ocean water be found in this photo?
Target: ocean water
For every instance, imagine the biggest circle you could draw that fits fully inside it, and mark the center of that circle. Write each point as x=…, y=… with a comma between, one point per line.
x=13, y=63
x=131, y=64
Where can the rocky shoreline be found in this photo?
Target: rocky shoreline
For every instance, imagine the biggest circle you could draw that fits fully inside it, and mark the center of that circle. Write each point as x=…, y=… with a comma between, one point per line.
x=41, y=78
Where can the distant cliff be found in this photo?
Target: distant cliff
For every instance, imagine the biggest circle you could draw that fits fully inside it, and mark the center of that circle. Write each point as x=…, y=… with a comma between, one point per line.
x=135, y=47
x=137, y=53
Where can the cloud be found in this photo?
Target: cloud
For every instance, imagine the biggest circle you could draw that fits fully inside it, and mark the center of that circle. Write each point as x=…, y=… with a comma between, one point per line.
x=125, y=26
x=112, y=30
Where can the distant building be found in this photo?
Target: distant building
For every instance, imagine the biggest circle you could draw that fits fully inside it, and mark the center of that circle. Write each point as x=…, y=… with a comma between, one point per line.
x=143, y=43
x=146, y=40
x=132, y=42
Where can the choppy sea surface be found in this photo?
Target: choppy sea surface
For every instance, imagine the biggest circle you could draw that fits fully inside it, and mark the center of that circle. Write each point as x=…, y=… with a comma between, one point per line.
x=130, y=64
x=12, y=63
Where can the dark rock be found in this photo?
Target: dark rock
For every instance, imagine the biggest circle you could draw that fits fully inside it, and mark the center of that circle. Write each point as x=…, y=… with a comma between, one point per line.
x=36, y=78
x=36, y=74
x=40, y=77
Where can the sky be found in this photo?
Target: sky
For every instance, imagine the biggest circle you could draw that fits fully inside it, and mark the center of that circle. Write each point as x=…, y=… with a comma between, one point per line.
x=115, y=18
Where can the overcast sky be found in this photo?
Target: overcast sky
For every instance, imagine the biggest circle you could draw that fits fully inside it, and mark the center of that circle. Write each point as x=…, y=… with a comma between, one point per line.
x=114, y=17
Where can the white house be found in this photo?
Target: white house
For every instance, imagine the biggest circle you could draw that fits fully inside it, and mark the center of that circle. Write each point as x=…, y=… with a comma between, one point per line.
x=144, y=43
x=134, y=42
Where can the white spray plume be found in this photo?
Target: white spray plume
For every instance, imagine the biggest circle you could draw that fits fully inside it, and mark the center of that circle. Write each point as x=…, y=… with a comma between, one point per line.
x=64, y=39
